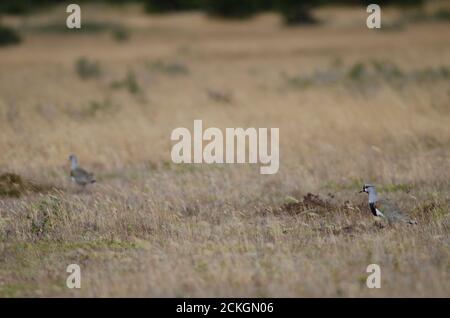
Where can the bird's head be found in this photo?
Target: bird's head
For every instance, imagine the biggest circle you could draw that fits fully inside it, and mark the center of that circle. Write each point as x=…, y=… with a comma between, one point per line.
x=367, y=188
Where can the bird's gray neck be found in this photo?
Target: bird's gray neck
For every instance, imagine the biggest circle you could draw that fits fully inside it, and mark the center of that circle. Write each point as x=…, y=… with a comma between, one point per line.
x=73, y=164
x=372, y=195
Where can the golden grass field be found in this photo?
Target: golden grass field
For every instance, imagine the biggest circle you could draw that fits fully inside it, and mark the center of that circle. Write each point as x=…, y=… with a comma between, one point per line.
x=353, y=105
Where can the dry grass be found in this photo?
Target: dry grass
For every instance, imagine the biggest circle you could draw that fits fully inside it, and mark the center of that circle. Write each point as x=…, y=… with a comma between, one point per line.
x=151, y=228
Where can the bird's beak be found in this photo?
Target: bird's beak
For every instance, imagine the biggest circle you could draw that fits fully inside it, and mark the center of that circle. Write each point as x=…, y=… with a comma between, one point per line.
x=361, y=191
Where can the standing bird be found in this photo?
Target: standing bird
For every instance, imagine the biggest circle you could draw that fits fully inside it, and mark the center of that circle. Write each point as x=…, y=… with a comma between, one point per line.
x=384, y=208
x=78, y=174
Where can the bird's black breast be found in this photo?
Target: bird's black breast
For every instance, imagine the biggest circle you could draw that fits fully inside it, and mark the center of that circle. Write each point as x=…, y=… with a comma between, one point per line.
x=373, y=208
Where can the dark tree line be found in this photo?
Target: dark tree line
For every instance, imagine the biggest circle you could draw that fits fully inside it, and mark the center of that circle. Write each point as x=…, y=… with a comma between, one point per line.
x=222, y=8
x=293, y=11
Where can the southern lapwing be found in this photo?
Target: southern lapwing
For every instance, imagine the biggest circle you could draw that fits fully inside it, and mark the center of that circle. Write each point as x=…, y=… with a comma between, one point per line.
x=384, y=208
x=78, y=174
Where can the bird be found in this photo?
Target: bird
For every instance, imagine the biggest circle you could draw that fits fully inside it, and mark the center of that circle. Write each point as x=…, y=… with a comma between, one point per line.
x=78, y=174
x=384, y=208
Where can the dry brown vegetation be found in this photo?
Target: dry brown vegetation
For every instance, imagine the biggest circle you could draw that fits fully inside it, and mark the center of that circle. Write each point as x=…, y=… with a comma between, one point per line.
x=352, y=105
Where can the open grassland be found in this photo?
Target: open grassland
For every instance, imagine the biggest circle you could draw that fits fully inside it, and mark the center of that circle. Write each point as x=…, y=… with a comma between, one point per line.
x=353, y=106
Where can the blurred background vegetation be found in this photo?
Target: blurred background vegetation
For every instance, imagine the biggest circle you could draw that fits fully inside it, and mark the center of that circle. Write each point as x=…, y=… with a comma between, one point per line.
x=222, y=8
x=293, y=12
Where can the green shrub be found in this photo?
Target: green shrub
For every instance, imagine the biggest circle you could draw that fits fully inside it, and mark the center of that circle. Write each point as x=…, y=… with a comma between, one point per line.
x=96, y=107
x=357, y=71
x=171, y=68
x=16, y=7
x=87, y=69
x=45, y=216
x=297, y=12
x=11, y=185
x=20, y=7
x=231, y=9
x=165, y=6
x=400, y=3
x=442, y=15
x=387, y=70
x=8, y=36
x=120, y=34
x=130, y=83
x=93, y=109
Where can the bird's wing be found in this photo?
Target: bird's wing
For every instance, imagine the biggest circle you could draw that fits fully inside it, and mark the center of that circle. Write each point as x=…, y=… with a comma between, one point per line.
x=391, y=210
x=82, y=175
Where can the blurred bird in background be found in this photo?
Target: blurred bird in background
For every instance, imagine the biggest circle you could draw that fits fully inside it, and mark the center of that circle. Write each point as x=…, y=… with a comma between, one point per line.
x=78, y=174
